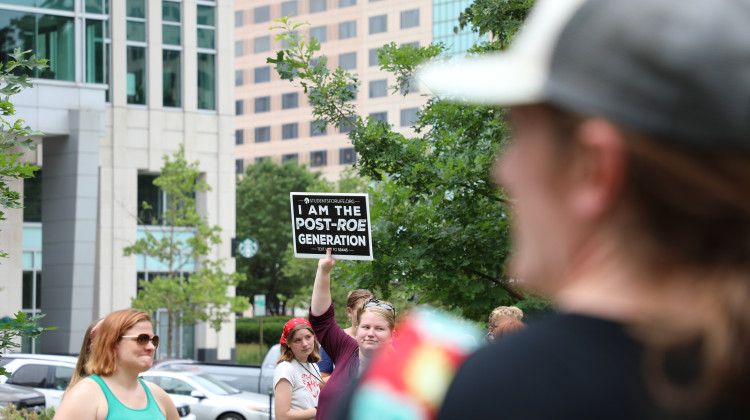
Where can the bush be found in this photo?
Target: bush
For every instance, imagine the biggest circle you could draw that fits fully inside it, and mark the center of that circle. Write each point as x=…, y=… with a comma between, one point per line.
x=248, y=329
x=10, y=412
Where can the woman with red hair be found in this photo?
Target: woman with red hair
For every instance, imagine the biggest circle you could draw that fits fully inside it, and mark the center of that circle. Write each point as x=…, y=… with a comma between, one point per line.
x=122, y=347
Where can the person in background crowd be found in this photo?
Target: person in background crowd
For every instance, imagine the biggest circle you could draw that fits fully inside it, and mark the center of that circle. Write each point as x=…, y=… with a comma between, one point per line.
x=122, y=347
x=354, y=301
x=375, y=327
x=85, y=353
x=297, y=380
x=629, y=173
x=506, y=327
x=498, y=315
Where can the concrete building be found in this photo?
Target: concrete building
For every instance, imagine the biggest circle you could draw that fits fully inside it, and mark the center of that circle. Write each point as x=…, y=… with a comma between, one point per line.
x=273, y=117
x=129, y=81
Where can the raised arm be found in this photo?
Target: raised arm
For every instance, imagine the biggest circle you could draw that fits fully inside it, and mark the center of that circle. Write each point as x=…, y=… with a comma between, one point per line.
x=321, y=297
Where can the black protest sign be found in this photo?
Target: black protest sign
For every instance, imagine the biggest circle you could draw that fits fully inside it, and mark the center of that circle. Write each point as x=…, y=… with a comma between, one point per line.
x=327, y=220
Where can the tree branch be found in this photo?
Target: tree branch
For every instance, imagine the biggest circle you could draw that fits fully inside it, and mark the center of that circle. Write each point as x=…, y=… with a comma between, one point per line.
x=502, y=283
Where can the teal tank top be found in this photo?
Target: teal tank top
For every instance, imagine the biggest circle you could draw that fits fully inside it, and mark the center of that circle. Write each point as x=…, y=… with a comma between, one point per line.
x=118, y=411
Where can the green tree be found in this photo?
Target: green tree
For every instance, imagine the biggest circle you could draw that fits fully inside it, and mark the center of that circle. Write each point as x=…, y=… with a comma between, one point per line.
x=440, y=227
x=200, y=295
x=14, y=139
x=263, y=213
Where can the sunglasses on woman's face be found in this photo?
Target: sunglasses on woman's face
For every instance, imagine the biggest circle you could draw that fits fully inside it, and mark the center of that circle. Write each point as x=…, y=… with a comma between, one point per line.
x=376, y=302
x=143, y=339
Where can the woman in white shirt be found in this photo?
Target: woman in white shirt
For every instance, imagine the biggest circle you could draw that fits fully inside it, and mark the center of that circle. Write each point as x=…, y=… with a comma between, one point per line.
x=297, y=380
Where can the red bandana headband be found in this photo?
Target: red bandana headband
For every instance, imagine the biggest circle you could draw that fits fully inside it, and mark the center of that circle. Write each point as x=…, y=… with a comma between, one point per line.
x=291, y=324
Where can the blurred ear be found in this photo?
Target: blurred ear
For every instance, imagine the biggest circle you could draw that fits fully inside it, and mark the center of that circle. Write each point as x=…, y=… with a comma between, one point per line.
x=600, y=167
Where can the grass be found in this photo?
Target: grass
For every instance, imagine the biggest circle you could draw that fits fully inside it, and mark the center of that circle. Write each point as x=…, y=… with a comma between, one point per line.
x=250, y=354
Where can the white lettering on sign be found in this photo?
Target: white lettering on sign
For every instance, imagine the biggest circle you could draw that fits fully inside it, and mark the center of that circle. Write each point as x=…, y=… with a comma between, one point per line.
x=313, y=239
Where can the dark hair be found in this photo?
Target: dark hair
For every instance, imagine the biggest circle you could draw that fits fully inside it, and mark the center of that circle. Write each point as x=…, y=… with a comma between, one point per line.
x=687, y=209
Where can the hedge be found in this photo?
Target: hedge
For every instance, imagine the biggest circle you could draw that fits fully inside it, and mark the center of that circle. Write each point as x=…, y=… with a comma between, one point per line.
x=248, y=330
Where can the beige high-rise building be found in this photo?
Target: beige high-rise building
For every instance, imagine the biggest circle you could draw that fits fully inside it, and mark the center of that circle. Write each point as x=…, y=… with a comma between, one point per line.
x=273, y=118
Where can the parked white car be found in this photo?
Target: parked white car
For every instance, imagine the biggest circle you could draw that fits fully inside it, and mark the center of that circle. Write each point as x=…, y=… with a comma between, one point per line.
x=47, y=374
x=50, y=375
x=210, y=398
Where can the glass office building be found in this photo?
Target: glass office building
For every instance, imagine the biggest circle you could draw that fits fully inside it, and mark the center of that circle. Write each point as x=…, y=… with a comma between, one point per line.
x=128, y=82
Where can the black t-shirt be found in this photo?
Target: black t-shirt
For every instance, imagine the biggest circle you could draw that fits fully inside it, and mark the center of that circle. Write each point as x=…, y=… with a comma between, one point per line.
x=563, y=367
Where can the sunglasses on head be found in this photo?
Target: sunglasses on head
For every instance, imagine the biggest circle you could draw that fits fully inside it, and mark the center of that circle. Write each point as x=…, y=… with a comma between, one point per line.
x=143, y=339
x=376, y=302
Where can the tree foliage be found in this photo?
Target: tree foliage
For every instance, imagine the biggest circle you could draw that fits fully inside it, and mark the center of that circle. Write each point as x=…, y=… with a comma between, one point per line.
x=440, y=227
x=263, y=213
x=14, y=135
x=14, y=138
x=200, y=295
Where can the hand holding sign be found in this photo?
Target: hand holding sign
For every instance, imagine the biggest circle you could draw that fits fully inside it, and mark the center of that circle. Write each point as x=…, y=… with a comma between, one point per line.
x=327, y=263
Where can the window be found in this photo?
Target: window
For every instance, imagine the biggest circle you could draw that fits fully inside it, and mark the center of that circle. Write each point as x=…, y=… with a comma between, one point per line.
x=410, y=86
x=318, y=6
x=347, y=125
x=171, y=28
x=135, y=25
x=320, y=33
x=348, y=61
x=289, y=8
x=413, y=44
x=31, y=375
x=239, y=18
x=347, y=156
x=260, y=159
x=408, y=116
x=352, y=88
x=348, y=29
x=239, y=77
x=171, y=78
x=206, y=27
x=318, y=158
x=289, y=131
x=262, y=104
x=347, y=3
x=261, y=44
x=289, y=100
x=239, y=48
x=378, y=88
x=206, y=81
x=372, y=57
x=291, y=156
x=32, y=202
x=61, y=378
x=380, y=116
x=239, y=107
x=262, y=134
x=262, y=74
x=318, y=128
x=409, y=18
x=239, y=166
x=206, y=43
x=136, y=79
x=171, y=53
x=261, y=14
x=154, y=196
x=378, y=24
x=239, y=136
x=287, y=43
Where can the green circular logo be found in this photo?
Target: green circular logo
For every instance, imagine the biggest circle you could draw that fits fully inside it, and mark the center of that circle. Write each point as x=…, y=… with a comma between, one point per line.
x=248, y=247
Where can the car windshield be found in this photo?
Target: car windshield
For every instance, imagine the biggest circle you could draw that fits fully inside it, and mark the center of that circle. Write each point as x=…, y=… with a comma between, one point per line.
x=214, y=385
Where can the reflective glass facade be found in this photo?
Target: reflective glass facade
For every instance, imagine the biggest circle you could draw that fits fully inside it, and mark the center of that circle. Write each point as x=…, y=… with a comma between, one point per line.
x=444, y=18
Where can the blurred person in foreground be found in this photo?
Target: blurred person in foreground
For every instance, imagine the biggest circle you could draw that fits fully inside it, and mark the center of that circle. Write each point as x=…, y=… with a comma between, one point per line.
x=630, y=175
x=122, y=347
